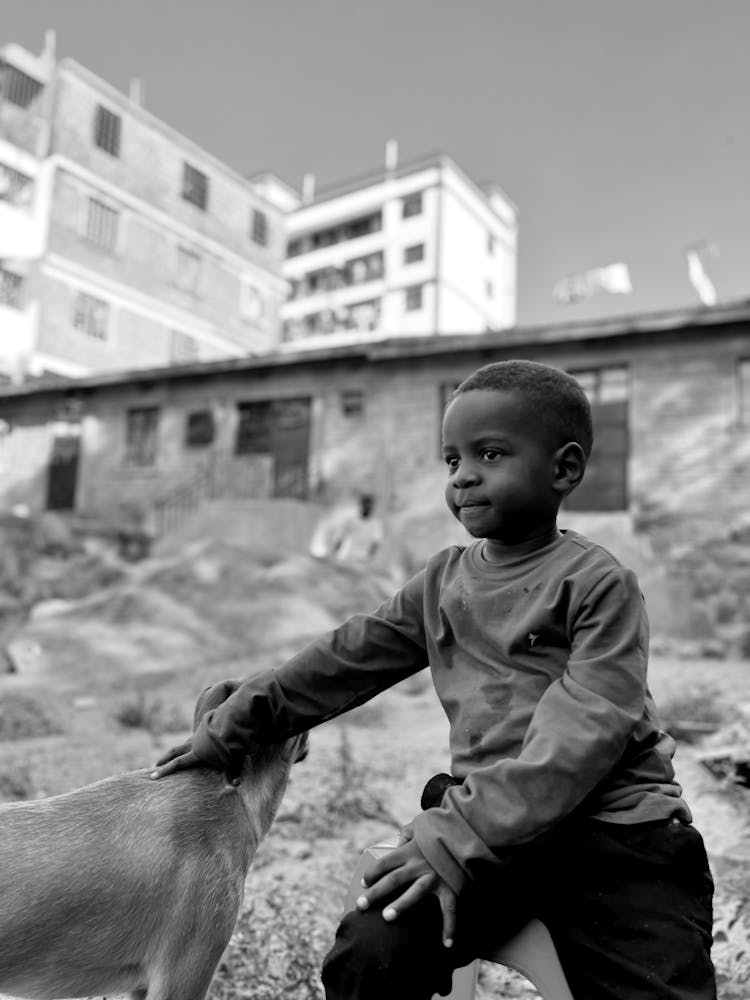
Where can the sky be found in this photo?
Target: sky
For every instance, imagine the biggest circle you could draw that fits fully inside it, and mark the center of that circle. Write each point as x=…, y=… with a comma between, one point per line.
x=620, y=128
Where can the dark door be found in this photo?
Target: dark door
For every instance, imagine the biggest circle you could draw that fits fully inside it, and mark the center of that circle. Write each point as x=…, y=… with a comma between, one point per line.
x=290, y=442
x=63, y=472
x=280, y=428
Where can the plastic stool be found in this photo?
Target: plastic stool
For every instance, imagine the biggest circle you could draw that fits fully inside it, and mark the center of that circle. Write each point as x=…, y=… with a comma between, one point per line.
x=530, y=952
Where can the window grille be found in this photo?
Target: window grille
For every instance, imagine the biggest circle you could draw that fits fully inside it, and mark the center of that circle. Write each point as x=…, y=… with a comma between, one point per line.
x=604, y=385
x=15, y=187
x=91, y=315
x=107, y=130
x=259, y=228
x=141, y=435
x=11, y=286
x=101, y=224
x=254, y=428
x=17, y=87
x=194, y=186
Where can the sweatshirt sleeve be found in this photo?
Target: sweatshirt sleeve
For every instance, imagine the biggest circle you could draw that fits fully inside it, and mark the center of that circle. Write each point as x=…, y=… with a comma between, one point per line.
x=342, y=669
x=577, y=734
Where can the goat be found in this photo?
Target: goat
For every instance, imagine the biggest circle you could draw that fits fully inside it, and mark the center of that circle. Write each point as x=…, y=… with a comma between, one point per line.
x=131, y=885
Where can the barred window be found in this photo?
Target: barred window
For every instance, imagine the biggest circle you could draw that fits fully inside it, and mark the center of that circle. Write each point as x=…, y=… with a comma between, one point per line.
x=259, y=228
x=142, y=425
x=11, y=287
x=17, y=87
x=101, y=224
x=107, y=129
x=15, y=187
x=194, y=186
x=184, y=348
x=353, y=402
x=91, y=315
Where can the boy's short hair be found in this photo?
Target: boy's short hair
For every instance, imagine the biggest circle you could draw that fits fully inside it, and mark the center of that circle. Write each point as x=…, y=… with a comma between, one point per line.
x=553, y=395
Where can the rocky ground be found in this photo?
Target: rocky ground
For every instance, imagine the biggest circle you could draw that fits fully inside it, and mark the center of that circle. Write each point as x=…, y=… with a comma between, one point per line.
x=109, y=657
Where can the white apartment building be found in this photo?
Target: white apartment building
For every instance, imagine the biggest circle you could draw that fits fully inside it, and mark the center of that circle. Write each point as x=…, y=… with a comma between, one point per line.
x=123, y=244
x=419, y=249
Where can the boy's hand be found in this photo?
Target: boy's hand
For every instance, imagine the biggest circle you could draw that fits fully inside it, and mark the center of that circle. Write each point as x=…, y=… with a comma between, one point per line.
x=179, y=758
x=406, y=867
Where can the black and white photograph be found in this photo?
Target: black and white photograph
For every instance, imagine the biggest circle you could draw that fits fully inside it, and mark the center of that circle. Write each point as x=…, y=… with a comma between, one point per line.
x=374, y=499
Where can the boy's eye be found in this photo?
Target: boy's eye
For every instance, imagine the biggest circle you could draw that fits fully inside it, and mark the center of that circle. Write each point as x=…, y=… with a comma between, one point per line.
x=491, y=454
x=452, y=462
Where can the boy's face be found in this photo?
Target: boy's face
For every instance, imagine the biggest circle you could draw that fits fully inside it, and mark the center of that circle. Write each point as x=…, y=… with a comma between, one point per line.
x=501, y=467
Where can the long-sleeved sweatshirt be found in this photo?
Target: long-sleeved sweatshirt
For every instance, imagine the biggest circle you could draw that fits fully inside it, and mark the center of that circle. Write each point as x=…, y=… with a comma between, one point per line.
x=540, y=664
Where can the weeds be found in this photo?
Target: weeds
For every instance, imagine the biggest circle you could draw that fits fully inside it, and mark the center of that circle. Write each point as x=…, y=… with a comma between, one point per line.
x=276, y=951
x=23, y=717
x=16, y=783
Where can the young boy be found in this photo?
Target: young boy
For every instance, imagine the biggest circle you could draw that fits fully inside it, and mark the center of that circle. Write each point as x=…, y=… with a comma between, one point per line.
x=564, y=803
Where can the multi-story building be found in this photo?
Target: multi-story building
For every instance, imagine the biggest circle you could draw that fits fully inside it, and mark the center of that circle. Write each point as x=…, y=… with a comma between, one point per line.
x=122, y=243
x=416, y=249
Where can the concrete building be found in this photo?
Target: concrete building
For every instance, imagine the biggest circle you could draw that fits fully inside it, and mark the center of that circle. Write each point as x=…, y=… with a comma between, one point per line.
x=670, y=395
x=418, y=249
x=122, y=243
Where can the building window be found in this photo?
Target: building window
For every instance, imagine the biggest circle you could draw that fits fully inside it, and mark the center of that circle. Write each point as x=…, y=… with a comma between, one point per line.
x=412, y=205
x=413, y=298
x=194, y=186
x=101, y=224
x=141, y=435
x=743, y=392
x=414, y=254
x=254, y=428
x=200, y=428
x=17, y=87
x=259, y=228
x=15, y=187
x=183, y=348
x=351, y=230
x=11, y=287
x=107, y=129
x=91, y=316
x=188, y=270
x=353, y=402
x=604, y=385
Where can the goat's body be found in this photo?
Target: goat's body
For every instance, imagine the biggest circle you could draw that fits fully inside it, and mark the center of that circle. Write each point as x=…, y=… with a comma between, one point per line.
x=129, y=885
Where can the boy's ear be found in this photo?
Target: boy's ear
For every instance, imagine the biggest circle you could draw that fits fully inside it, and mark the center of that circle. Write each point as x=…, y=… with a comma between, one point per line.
x=570, y=465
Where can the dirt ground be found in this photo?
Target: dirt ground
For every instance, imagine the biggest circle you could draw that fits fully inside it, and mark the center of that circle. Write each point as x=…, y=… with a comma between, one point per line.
x=117, y=671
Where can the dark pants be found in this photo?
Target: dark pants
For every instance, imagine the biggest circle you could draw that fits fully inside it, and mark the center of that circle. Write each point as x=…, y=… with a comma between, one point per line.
x=628, y=907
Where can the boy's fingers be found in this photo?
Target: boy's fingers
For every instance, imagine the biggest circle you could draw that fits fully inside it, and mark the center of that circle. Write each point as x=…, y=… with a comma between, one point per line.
x=447, y=899
x=177, y=751
x=181, y=763
x=416, y=891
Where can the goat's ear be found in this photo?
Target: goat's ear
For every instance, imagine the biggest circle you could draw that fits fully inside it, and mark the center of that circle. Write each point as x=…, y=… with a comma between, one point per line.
x=212, y=697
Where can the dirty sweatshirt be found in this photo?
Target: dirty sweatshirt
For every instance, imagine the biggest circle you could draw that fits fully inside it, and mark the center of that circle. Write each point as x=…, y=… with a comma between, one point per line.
x=539, y=661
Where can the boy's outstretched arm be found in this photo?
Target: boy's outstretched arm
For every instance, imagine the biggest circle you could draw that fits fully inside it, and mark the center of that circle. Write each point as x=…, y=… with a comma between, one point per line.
x=406, y=868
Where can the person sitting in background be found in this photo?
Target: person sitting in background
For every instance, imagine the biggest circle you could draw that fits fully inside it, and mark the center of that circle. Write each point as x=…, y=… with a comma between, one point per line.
x=355, y=537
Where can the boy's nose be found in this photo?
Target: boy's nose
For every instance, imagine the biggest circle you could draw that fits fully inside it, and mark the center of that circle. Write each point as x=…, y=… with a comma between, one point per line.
x=464, y=476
